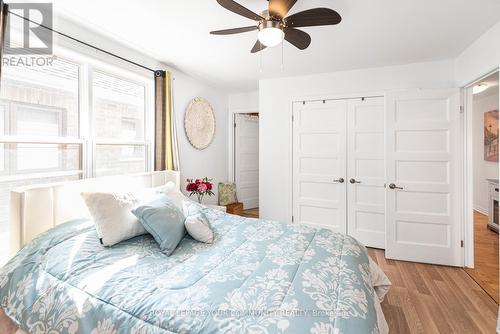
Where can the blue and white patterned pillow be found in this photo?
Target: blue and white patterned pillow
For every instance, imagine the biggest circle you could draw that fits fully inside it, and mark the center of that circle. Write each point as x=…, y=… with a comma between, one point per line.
x=164, y=221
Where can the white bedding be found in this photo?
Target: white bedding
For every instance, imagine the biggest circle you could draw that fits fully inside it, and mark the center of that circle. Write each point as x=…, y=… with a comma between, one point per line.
x=381, y=285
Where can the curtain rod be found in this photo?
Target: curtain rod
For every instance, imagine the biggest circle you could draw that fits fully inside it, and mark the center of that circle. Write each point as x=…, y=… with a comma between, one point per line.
x=85, y=43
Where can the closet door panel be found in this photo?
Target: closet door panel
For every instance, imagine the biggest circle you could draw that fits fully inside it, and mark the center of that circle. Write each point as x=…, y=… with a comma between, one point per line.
x=319, y=150
x=366, y=168
x=423, y=169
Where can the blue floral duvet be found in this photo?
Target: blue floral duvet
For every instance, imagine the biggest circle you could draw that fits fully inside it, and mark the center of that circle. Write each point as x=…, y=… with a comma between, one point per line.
x=257, y=277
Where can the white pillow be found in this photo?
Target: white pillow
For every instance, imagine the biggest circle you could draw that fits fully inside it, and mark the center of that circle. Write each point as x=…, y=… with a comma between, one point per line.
x=173, y=194
x=197, y=227
x=166, y=188
x=196, y=222
x=112, y=214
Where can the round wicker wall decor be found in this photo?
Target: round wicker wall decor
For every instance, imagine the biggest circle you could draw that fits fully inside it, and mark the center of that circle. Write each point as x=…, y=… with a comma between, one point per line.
x=199, y=123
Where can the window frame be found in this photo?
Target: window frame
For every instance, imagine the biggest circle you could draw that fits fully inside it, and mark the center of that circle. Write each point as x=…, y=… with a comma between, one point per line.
x=8, y=140
x=87, y=64
x=119, y=74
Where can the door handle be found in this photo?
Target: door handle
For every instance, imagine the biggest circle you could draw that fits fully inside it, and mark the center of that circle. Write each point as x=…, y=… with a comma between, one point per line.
x=393, y=186
x=353, y=181
x=341, y=180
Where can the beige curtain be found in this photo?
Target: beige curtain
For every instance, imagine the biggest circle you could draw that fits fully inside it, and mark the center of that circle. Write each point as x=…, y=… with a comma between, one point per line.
x=166, y=145
x=4, y=11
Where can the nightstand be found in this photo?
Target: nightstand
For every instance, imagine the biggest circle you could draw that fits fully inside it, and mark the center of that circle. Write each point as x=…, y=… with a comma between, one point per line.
x=235, y=208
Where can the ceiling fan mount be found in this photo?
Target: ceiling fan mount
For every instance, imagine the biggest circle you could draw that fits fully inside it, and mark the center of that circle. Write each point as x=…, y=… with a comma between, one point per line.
x=270, y=23
x=274, y=25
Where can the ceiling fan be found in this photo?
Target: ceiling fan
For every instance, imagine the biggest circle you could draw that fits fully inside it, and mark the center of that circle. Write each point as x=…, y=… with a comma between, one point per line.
x=274, y=25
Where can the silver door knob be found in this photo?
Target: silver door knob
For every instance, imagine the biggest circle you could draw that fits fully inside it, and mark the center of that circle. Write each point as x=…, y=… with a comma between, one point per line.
x=353, y=181
x=341, y=180
x=393, y=186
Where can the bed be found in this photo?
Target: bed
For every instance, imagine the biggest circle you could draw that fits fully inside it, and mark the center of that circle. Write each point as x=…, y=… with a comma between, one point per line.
x=257, y=277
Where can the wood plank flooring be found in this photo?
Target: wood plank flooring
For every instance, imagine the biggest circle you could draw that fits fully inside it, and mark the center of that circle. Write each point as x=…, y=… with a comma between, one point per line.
x=434, y=299
x=485, y=271
x=251, y=213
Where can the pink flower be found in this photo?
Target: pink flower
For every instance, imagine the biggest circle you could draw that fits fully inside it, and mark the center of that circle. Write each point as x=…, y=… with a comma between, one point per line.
x=202, y=187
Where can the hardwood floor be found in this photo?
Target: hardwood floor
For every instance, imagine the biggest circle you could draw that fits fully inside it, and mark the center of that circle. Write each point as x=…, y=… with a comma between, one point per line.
x=251, y=213
x=434, y=299
x=485, y=271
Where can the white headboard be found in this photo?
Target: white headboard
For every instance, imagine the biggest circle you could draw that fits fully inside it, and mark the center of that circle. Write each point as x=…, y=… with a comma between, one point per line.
x=35, y=209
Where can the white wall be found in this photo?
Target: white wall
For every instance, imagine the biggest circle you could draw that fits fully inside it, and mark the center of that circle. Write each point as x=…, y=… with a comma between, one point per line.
x=482, y=169
x=275, y=117
x=480, y=58
x=248, y=101
x=85, y=34
x=212, y=161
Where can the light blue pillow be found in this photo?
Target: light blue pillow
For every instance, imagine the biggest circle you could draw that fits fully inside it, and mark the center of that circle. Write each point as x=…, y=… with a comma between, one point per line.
x=164, y=221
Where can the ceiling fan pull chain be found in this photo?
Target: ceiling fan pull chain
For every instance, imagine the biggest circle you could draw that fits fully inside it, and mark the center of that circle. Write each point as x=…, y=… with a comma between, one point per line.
x=260, y=69
x=282, y=56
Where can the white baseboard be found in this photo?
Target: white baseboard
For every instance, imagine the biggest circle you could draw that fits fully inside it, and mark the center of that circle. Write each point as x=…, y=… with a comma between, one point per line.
x=481, y=210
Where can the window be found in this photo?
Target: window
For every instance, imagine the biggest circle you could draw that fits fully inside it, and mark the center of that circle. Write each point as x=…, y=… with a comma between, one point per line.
x=117, y=102
x=119, y=159
x=118, y=113
x=41, y=101
x=49, y=133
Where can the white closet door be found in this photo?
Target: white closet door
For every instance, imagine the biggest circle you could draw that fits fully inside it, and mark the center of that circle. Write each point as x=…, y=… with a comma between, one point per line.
x=246, y=148
x=423, y=168
x=319, y=165
x=366, y=171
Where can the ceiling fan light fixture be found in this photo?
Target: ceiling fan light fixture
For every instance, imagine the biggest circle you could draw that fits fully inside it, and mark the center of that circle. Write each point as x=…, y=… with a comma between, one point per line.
x=270, y=33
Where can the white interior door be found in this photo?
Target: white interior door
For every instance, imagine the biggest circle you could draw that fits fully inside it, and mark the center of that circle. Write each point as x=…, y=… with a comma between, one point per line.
x=246, y=160
x=366, y=171
x=423, y=168
x=319, y=165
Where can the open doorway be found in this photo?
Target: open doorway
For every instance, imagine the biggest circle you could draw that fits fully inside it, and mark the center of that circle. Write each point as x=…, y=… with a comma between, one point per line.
x=483, y=111
x=246, y=162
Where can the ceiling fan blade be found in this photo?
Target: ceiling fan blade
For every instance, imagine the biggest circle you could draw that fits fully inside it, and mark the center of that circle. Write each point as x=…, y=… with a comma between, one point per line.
x=234, y=30
x=297, y=38
x=279, y=8
x=239, y=9
x=313, y=17
x=258, y=47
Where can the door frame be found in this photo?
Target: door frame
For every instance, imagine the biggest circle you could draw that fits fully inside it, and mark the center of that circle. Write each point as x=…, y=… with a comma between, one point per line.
x=314, y=98
x=231, y=138
x=468, y=170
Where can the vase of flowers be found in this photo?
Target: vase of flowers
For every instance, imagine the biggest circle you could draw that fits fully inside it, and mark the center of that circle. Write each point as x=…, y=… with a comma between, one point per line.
x=200, y=188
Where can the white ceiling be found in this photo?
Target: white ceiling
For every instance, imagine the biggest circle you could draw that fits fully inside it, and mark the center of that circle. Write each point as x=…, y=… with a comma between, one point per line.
x=373, y=33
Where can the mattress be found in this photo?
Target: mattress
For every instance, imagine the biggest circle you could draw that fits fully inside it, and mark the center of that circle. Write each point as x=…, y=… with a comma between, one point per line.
x=257, y=277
